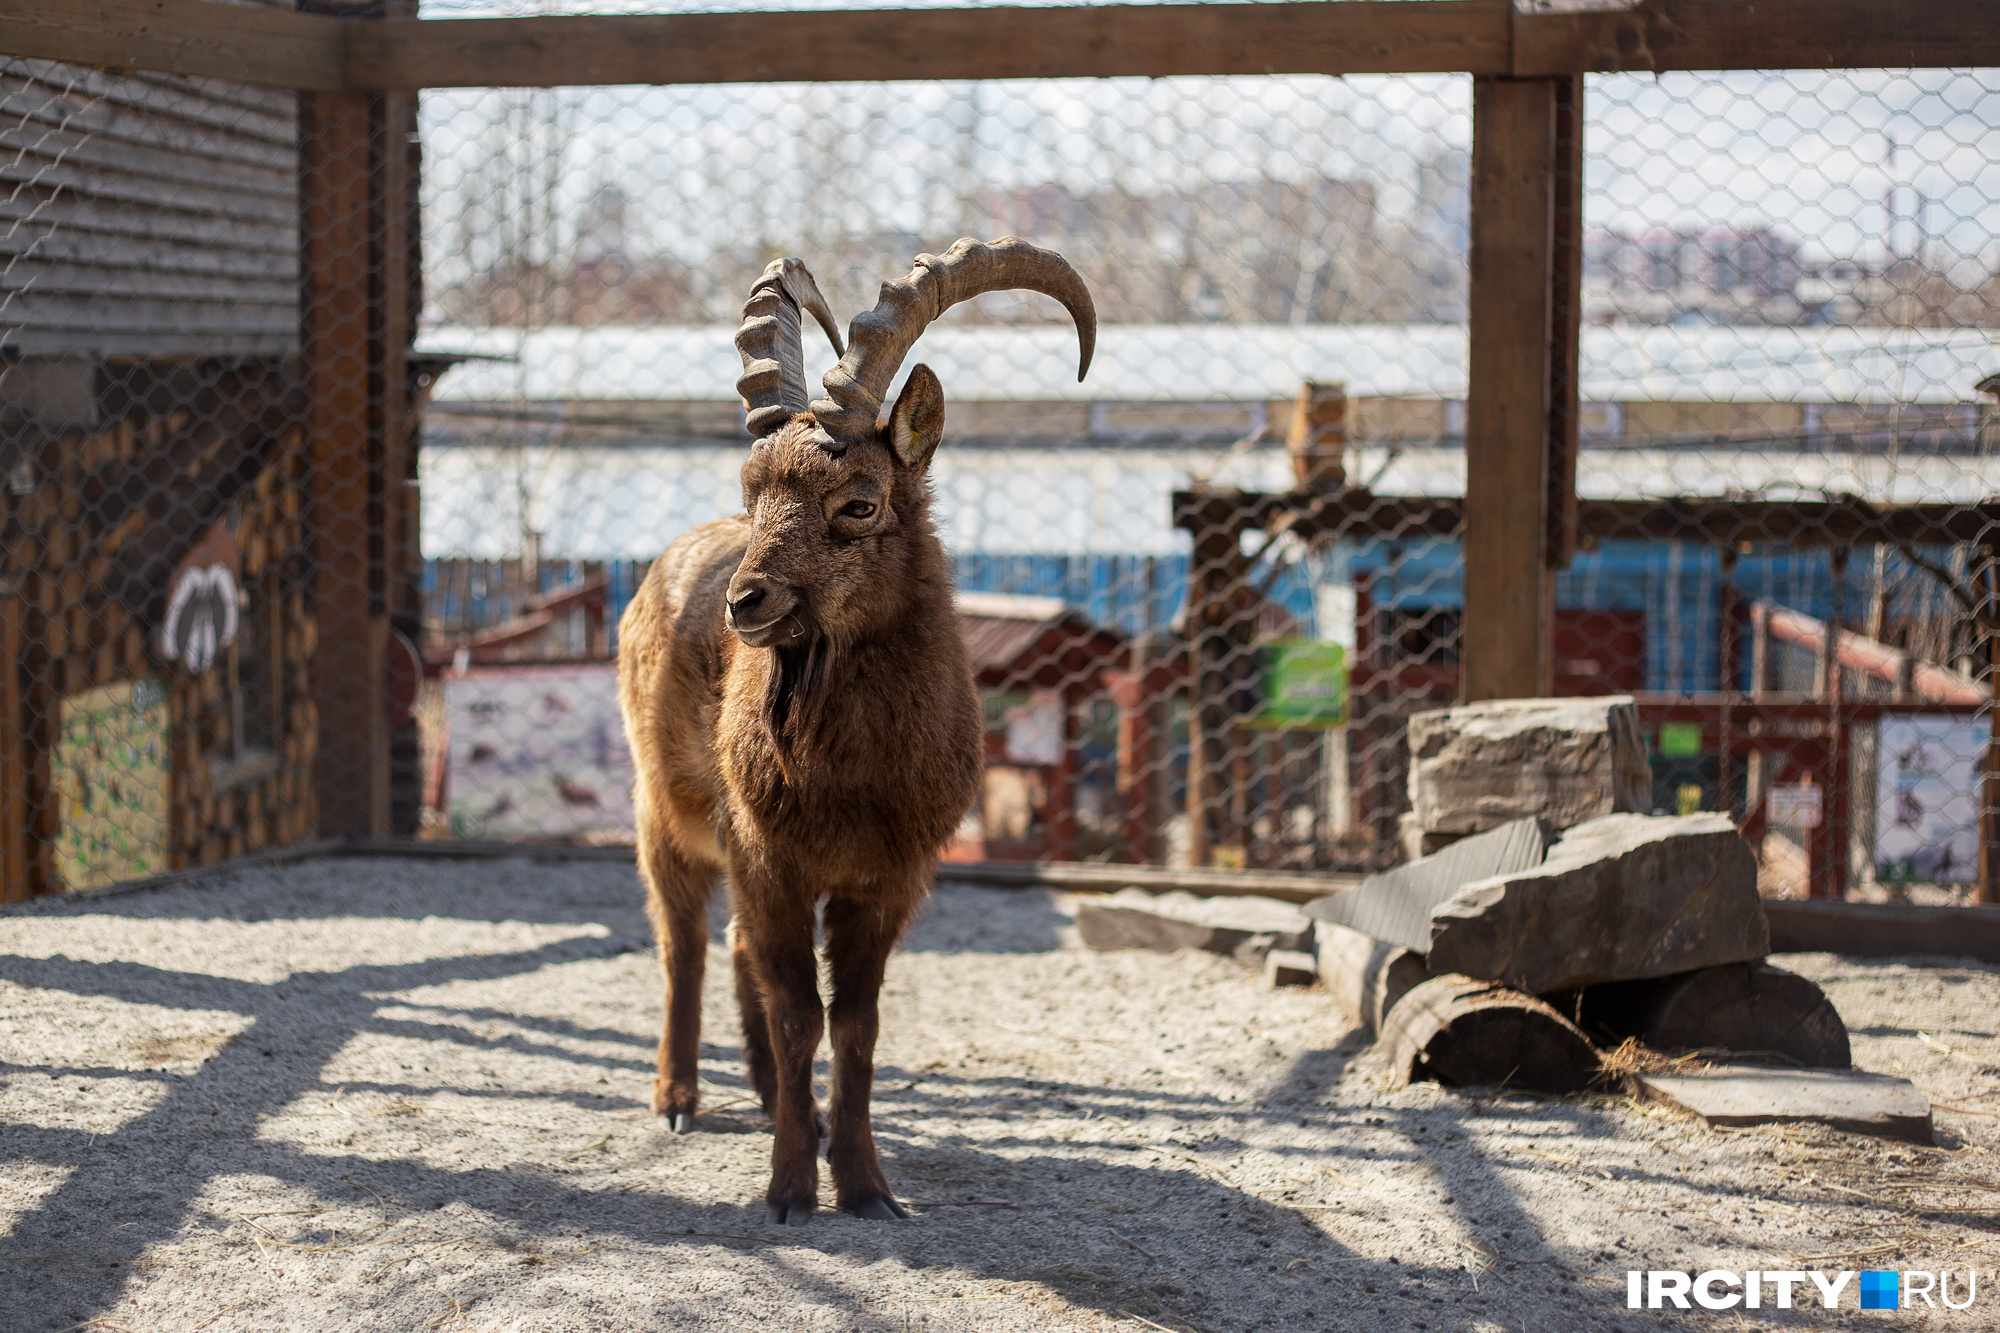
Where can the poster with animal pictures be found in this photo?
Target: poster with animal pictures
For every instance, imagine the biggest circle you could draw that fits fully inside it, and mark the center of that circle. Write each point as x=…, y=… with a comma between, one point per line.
x=537, y=752
x=1927, y=798
x=110, y=772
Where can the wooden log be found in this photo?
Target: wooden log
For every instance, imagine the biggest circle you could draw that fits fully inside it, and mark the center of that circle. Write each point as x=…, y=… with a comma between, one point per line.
x=1367, y=976
x=1466, y=1033
x=1750, y=1008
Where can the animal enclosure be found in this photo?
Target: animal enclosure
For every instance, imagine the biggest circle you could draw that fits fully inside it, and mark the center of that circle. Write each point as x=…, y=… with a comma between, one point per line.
x=347, y=394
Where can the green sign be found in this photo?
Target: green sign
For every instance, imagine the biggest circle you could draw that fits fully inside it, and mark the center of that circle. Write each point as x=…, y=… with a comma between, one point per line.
x=1680, y=740
x=1305, y=687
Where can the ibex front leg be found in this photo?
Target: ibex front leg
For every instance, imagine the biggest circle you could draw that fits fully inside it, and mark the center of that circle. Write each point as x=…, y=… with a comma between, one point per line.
x=775, y=925
x=677, y=901
x=859, y=938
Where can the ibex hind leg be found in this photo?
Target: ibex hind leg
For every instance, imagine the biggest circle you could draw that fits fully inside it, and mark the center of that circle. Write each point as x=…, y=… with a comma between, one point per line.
x=677, y=892
x=859, y=938
x=757, y=1062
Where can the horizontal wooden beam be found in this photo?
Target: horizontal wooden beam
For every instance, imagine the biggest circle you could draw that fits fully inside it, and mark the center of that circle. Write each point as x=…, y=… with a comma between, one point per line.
x=277, y=47
x=1715, y=520
x=251, y=44
x=1660, y=35
x=1085, y=41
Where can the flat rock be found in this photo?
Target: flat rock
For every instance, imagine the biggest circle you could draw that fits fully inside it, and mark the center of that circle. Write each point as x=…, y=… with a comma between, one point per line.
x=1616, y=899
x=1845, y=1099
x=1396, y=905
x=1245, y=928
x=1480, y=765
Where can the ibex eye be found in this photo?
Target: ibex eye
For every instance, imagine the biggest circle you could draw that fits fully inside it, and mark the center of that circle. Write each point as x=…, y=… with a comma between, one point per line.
x=859, y=509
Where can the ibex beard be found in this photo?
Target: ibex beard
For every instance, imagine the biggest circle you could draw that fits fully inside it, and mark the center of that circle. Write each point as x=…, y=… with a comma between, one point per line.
x=802, y=712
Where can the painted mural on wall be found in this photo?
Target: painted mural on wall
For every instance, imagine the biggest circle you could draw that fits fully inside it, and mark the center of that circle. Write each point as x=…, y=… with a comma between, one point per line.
x=110, y=769
x=203, y=602
x=537, y=752
x=1927, y=808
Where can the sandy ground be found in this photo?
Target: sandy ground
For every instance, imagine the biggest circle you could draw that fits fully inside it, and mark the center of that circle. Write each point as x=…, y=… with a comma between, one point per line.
x=412, y=1095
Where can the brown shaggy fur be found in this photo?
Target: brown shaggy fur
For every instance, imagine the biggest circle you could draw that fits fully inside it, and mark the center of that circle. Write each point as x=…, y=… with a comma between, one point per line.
x=802, y=715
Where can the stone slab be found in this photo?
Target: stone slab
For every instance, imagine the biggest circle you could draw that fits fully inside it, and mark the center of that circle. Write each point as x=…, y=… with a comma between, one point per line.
x=1617, y=899
x=1396, y=905
x=1239, y=927
x=1480, y=765
x=1844, y=1099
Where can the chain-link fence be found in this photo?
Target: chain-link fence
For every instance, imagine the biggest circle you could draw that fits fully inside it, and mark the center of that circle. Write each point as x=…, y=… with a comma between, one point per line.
x=246, y=330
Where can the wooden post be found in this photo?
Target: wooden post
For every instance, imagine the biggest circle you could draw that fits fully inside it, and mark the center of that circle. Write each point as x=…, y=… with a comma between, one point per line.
x=14, y=770
x=1987, y=889
x=359, y=305
x=1219, y=624
x=1519, y=389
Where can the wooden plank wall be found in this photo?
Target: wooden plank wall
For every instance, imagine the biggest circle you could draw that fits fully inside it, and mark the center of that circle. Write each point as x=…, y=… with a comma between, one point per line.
x=148, y=214
x=86, y=548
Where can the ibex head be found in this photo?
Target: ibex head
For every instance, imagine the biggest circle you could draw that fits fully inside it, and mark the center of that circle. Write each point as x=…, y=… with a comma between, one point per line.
x=839, y=501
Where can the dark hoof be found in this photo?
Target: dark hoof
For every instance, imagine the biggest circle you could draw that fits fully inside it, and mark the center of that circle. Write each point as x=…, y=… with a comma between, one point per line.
x=878, y=1208
x=681, y=1122
x=788, y=1214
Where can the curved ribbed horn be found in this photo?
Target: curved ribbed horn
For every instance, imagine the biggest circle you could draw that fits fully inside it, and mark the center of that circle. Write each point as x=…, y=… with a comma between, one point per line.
x=773, y=382
x=879, y=339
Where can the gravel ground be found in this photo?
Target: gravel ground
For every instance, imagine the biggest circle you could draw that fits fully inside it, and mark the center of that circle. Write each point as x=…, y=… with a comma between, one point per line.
x=412, y=1095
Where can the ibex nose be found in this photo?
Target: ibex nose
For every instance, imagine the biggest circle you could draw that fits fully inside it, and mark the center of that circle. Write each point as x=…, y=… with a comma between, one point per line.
x=745, y=595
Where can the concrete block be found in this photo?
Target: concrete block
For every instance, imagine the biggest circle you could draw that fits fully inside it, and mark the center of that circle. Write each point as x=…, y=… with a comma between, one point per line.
x=1478, y=766
x=1244, y=928
x=1845, y=1099
x=1467, y=1033
x=1290, y=967
x=1396, y=905
x=1616, y=899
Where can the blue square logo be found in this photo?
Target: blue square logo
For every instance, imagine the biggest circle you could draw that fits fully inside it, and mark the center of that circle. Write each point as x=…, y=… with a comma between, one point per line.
x=1878, y=1289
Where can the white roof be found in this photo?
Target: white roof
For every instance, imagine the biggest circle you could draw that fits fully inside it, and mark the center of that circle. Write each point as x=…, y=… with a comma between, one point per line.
x=1211, y=362
x=596, y=503
x=1010, y=606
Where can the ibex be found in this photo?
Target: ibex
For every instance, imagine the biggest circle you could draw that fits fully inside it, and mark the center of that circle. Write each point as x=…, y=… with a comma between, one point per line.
x=801, y=710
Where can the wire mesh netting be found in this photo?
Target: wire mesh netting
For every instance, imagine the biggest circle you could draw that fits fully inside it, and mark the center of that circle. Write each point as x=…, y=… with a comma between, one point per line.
x=234, y=627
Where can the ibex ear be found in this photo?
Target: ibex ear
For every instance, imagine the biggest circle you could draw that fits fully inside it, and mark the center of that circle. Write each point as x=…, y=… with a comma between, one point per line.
x=916, y=423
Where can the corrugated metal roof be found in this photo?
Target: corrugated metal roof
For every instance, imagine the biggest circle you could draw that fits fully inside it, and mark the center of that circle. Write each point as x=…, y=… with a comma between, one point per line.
x=1216, y=362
